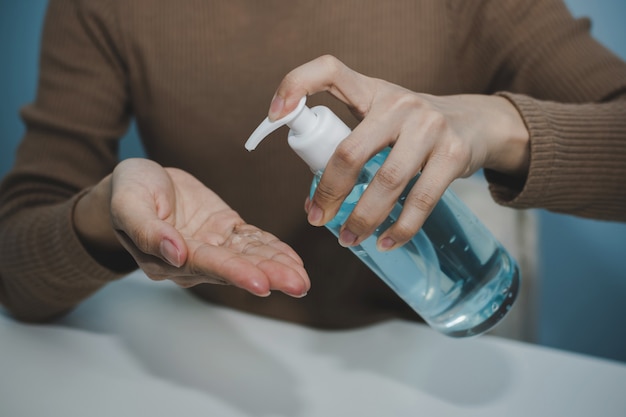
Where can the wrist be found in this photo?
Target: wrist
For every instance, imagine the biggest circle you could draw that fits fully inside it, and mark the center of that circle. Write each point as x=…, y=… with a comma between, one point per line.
x=92, y=220
x=92, y=223
x=511, y=152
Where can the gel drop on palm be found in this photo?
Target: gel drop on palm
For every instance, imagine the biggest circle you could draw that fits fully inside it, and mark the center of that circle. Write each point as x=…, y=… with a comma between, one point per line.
x=453, y=272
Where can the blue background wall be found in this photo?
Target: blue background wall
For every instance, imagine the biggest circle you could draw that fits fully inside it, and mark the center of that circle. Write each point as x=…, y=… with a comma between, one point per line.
x=20, y=29
x=583, y=269
x=583, y=301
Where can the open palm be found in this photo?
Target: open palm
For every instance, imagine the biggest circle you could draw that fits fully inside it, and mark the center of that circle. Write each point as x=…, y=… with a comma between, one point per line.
x=178, y=229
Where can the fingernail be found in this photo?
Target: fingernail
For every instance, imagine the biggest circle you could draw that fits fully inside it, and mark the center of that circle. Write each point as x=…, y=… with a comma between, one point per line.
x=347, y=238
x=386, y=244
x=278, y=103
x=259, y=289
x=170, y=253
x=315, y=215
x=307, y=205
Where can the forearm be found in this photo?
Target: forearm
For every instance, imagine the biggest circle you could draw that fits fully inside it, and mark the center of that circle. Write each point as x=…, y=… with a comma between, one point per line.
x=72, y=129
x=92, y=223
x=568, y=88
x=512, y=153
x=44, y=268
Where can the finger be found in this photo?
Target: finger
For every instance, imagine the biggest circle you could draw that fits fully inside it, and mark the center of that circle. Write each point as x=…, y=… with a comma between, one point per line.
x=344, y=167
x=325, y=73
x=188, y=281
x=284, y=278
x=258, y=250
x=153, y=266
x=256, y=274
x=421, y=200
x=286, y=264
x=279, y=279
x=286, y=249
x=403, y=163
x=243, y=234
x=338, y=179
x=147, y=230
x=258, y=246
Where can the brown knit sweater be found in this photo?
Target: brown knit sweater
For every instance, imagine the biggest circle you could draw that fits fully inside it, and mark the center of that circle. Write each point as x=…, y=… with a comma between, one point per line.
x=198, y=76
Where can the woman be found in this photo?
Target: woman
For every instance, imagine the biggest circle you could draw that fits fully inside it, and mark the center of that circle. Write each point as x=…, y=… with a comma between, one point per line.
x=519, y=88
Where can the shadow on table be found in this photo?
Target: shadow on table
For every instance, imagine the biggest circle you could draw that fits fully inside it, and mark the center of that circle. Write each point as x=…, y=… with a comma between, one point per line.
x=439, y=366
x=175, y=337
x=183, y=342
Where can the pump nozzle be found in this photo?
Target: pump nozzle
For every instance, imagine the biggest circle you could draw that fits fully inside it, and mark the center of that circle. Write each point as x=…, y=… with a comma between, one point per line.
x=301, y=120
x=314, y=133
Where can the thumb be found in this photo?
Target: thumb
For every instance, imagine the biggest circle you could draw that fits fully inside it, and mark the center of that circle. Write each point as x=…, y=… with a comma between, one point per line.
x=325, y=73
x=171, y=252
x=142, y=230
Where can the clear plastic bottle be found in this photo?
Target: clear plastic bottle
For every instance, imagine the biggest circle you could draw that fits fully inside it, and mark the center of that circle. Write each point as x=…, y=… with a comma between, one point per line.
x=453, y=272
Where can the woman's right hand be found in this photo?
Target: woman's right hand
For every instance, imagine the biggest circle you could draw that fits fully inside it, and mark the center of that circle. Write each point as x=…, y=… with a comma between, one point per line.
x=176, y=228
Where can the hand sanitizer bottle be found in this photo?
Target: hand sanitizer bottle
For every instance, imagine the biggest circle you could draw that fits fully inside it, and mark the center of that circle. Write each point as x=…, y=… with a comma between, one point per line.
x=453, y=272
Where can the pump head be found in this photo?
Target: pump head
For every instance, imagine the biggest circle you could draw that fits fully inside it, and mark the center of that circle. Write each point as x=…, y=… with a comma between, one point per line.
x=314, y=133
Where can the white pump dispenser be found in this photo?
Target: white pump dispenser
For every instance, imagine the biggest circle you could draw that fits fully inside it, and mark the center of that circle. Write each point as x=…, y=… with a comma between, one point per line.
x=314, y=133
x=453, y=272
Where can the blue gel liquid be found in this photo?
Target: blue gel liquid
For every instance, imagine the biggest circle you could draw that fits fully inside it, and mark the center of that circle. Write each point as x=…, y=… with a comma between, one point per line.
x=453, y=272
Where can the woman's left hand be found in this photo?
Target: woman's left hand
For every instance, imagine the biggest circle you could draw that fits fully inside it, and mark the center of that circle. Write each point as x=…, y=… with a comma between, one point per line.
x=443, y=137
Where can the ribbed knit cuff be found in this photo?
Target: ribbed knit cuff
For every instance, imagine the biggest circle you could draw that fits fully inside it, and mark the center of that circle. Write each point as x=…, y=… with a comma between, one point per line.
x=46, y=269
x=82, y=262
x=523, y=193
x=577, y=159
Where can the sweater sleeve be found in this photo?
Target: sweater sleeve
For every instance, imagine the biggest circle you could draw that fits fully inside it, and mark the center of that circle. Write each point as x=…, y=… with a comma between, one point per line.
x=578, y=159
x=71, y=142
x=571, y=93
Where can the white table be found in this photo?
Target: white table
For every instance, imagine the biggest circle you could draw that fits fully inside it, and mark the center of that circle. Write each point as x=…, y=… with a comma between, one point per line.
x=140, y=348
